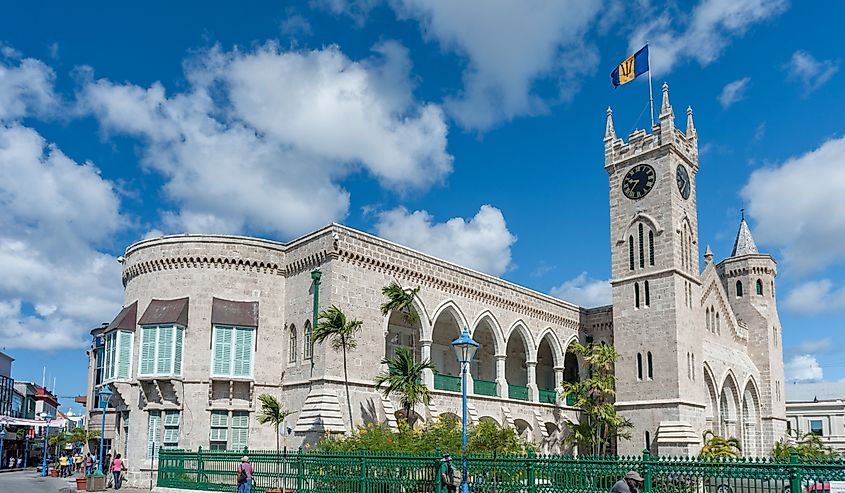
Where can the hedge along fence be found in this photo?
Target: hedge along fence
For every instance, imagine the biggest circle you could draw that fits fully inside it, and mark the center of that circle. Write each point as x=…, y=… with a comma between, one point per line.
x=364, y=472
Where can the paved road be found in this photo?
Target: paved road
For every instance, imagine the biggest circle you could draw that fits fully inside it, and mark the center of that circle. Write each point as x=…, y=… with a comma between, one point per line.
x=28, y=481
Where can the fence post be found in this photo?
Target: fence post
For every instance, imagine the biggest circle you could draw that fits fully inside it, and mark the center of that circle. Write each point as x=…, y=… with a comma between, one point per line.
x=532, y=487
x=299, y=470
x=438, y=454
x=363, y=470
x=794, y=480
x=646, y=467
x=199, y=465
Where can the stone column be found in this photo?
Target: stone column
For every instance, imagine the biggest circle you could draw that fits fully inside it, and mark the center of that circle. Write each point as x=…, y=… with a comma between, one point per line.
x=533, y=392
x=501, y=381
x=561, y=400
x=425, y=355
x=470, y=382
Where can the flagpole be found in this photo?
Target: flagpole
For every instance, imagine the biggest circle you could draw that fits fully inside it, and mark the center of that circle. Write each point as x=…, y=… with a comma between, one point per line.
x=650, y=91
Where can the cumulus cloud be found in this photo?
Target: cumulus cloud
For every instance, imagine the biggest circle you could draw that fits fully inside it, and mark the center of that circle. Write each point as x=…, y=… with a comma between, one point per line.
x=509, y=46
x=584, y=291
x=817, y=296
x=798, y=206
x=705, y=32
x=810, y=72
x=261, y=139
x=482, y=243
x=803, y=368
x=26, y=87
x=54, y=213
x=733, y=92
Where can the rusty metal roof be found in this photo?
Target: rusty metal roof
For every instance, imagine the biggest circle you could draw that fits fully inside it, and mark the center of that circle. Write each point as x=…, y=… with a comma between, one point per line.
x=125, y=319
x=166, y=312
x=240, y=313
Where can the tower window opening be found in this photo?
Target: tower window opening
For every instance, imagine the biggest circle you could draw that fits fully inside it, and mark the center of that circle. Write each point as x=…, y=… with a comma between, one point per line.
x=718, y=324
x=650, y=366
x=647, y=295
x=631, y=252
x=642, y=255
x=759, y=287
x=636, y=295
x=707, y=318
x=739, y=289
x=651, y=247
x=639, y=366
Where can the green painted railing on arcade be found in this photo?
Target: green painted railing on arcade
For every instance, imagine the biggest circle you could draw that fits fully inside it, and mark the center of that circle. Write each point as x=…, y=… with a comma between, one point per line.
x=447, y=382
x=483, y=387
x=548, y=396
x=518, y=392
x=364, y=472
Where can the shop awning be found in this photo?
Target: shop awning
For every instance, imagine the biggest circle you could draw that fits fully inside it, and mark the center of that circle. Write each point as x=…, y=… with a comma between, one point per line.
x=125, y=319
x=239, y=313
x=161, y=312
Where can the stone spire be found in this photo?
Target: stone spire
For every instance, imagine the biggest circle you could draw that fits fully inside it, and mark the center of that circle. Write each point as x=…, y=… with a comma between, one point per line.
x=609, y=131
x=665, y=107
x=667, y=118
x=691, y=133
x=708, y=255
x=744, y=244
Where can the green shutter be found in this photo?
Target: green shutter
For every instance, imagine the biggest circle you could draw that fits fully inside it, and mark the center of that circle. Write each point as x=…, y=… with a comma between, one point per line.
x=222, y=351
x=177, y=356
x=240, y=430
x=153, y=433
x=124, y=357
x=171, y=418
x=164, y=362
x=109, y=353
x=243, y=352
x=147, y=364
x=219, y=419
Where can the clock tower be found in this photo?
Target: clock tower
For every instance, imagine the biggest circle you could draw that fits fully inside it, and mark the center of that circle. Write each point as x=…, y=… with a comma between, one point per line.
x=656, y=283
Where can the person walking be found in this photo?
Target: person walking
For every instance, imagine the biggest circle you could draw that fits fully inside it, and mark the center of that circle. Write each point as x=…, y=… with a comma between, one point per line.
x=63, y=462
x=244, y=475
x=89, y=463
x=449, y=477
x=117, y=468
x=629, y=484
x=77, y=462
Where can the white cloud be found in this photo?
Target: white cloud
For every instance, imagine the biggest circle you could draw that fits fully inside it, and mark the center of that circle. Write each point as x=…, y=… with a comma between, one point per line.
x=509, y=46
x=584, y=291
x=707, y=31
x=798, y=206
x=261, y=139
x=819, y=296
x=815, y=346
x=733, y=92
x=482, y=243
x=803, y=368
x=54, y=213
x=26, y=88
x=811, y=72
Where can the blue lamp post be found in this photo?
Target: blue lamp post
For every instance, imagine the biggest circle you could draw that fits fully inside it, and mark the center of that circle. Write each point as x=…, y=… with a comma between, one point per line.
x=105, y=394
x=465, y=348
x=46, y=417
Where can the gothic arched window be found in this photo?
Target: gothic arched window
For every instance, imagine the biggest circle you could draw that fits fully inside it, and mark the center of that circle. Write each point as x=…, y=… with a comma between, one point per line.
x=718, y=324
x=309, y=345
x=642, y=251
x=636, y=295
x=759, y=287
x=739, y=289
x=651, y=247
x=650, y=366
x=647, y=295
x=631, y=252
x=639, y=366
x=292, y=345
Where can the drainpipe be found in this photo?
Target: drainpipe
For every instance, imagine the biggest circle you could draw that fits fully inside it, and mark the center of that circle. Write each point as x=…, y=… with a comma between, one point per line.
x=315, y=277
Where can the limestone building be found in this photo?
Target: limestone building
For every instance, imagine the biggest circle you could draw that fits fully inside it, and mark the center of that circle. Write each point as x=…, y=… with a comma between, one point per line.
x=211, y=322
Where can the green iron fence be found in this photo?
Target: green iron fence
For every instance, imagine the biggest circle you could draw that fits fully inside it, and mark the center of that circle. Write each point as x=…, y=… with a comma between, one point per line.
x=518, y=392
x=483, y=387
x=548, y=396
x=447, y=382
x=364, y=472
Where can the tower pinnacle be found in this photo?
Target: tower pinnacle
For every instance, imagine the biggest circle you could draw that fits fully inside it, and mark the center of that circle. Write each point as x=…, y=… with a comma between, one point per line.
x=665, y=107
x=609, y=131
x=691, y=133
x=744, y=244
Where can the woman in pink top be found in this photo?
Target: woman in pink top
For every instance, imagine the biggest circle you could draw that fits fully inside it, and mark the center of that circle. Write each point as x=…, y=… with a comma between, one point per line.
x=117, y=468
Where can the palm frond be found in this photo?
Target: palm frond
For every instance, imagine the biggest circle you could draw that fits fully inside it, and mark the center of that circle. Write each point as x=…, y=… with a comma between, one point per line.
x=400, y=300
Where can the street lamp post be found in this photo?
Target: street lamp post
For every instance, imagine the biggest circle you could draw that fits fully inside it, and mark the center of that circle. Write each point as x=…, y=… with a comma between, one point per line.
x=465, y=348
x=46, y=417
x=105, y=394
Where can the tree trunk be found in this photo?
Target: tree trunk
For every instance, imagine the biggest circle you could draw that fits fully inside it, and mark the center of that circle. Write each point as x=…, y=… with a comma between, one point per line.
x=278, y=475
x=408, y=415
x=346, y=383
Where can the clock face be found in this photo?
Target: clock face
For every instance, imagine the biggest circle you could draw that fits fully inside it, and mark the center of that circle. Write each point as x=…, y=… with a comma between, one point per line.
x=639, y=181
x=682, y=178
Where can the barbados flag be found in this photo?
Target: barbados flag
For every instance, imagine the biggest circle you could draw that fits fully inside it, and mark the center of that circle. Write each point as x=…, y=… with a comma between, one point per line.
x=633, y=66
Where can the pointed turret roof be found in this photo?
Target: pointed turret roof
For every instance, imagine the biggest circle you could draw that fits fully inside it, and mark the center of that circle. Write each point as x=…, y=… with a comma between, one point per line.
x=744, y=244
x=609, y=131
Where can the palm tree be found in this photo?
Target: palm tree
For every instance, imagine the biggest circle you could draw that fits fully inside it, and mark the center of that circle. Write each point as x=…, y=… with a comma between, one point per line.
x=272, y=412
x=716, y=446
x=333, y=325
x=400, y=300
x=83, y=436
x=403, y=375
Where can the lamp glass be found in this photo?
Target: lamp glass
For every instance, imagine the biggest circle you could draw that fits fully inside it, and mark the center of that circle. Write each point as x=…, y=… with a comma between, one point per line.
x=464, y=347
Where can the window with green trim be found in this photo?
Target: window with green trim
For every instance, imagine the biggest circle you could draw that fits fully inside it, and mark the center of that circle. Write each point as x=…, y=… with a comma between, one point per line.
x=171, y=429
x=739, y=289
x=153, y=433
x=161, y=350
x=292, y=345
x=118, y=355
x=240, y=430
x=233, y=351
x=308, y=344
x=219, y=431
x=759, y=287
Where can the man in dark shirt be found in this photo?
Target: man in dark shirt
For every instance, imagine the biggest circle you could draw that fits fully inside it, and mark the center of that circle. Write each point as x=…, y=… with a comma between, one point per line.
x=448, y=476
x=628, y=484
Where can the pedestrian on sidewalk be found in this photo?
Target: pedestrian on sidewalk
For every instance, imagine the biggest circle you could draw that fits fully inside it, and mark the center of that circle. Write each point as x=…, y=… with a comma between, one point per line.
x=244, y=475
x=117, y=468
x=89, y=463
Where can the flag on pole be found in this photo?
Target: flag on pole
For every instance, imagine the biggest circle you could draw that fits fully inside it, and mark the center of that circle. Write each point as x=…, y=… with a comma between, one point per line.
x=631, y=68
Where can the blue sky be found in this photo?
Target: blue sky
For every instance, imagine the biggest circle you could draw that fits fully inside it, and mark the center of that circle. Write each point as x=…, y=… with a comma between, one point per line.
x=474, y=134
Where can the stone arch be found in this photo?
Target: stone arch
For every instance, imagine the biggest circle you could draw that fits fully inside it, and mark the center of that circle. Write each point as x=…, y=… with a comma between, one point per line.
x=455, y=311
x=523, y=428
x=519, y=352
x=495, y=328
x=487, y=332
x=446, y=326
x=711, y=405
x=528, y=340
x=491, y=419
x=398, y=332
x=571, y=362
x=549, y=358
x=729, y=405
x=751, y=425
x=640, y=217
x=554, y=344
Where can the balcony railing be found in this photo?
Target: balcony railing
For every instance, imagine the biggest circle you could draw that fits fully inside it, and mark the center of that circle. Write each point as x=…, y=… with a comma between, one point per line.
x=447, y=382
x=570, y=400
x=484, y=387
x=518, y=392
x=548, y=396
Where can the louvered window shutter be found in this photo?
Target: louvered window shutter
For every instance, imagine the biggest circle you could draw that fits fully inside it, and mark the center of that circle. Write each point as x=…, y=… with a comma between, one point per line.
x=109, y=353
x=164, y=365
x=125, y=357
x=148, y=339
x=243, y=352
x=223, y=351
x=153, y=433
x=240, y=430
x=177, y=356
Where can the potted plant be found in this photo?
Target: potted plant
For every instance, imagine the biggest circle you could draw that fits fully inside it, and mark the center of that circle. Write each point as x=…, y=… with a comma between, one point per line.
x=81, y=483
x=272, y=412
